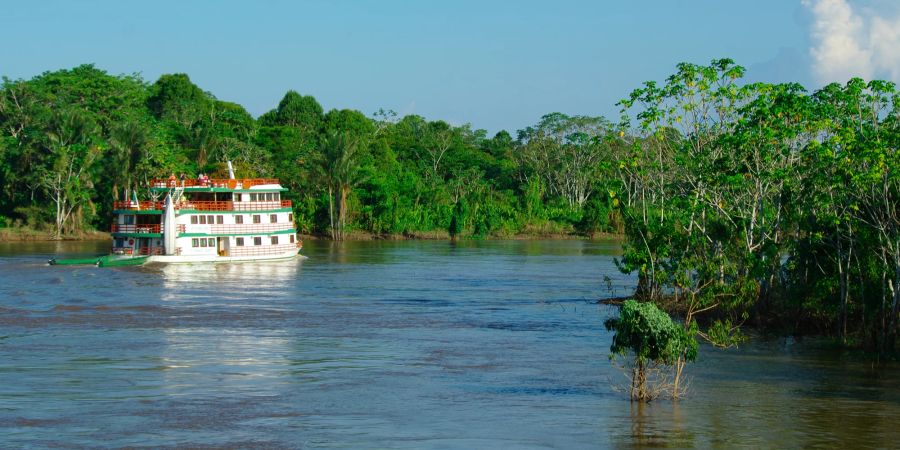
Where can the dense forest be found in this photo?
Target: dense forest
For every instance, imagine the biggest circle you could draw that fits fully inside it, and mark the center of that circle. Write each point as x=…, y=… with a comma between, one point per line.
x=739, y=202
x=74, y=140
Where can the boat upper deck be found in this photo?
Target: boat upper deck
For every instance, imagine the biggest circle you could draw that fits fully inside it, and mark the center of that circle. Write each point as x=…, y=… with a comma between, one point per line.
x=218, y=184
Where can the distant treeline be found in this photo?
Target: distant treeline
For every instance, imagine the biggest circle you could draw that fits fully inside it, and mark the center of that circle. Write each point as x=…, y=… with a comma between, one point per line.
x=74, y=140
x=741, y=202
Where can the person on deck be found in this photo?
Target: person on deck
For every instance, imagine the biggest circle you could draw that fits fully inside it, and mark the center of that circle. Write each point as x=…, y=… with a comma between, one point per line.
x=172, y=180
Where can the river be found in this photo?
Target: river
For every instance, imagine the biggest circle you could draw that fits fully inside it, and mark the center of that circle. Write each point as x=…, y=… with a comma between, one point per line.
x=418, y=345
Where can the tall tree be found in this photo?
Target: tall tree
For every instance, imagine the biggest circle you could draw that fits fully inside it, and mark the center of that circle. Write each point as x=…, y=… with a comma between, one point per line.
x=67, y=178
x=129, y=142
x=340, y=170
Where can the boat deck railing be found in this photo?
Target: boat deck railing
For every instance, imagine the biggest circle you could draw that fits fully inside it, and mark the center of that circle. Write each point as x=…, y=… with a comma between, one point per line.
x=250, y=228
x=143, y=204
x=144, y=228
x=204, y=205
x=226, y=183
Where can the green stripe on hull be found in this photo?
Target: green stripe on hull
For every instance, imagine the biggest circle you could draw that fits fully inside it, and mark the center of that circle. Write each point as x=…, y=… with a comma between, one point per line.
x=74, y=261
x=117, y=261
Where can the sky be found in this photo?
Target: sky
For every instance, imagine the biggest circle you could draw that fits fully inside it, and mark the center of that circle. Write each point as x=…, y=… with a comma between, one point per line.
x=493, y=64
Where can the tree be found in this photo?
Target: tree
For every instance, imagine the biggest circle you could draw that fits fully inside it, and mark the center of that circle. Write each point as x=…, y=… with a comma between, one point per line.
x=682, y=232
x=658, y=345
x=128, y=142
x=340, y=170
x=565, y=152
x=67, y=179
x=294, y=110
x=174, y=97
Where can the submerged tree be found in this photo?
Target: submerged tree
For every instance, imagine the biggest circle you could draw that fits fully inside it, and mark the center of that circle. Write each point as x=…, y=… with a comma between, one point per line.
x=661, y=349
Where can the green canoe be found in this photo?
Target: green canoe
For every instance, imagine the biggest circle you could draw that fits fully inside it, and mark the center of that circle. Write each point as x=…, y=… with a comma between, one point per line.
x=74, y=261
x=116, y=261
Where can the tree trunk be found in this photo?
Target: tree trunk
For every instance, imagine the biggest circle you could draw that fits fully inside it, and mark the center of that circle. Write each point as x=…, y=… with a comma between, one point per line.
x=895, y=298
x=679, y=366
x=639, y=382
x=342, y=210
x=331, y=212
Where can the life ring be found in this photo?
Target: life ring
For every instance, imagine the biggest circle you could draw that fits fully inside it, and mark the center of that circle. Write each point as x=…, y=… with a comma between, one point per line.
x=131, y=242
x=232, y=184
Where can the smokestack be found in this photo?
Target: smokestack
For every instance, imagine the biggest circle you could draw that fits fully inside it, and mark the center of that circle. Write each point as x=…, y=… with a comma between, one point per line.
x=230, y=171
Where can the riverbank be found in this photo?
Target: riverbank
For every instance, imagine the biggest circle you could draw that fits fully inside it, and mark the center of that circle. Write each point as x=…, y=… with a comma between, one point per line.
x=445, y=236
x=25, y=234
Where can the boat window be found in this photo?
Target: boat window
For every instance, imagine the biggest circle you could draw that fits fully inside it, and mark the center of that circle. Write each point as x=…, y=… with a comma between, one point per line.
x=203, y=220
x=252, y=197
x=212, y=242
x=119, y=243
x=274, y=240
x=292, y=239
x=273, y=218
x=257, y=218
x=210, y=220
x=270, y=196
x=291, y=217
x=237, y=196
x=277, y=196
x=257, y=241
x=220, y=220
x=203, y=242
x=238, y=219
x=195, y=242
x=129, y=220
x=239, y=242
x=193, y=220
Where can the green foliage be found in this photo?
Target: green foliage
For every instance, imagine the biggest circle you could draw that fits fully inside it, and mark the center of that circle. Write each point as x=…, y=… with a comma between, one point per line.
x=658, y=344
x=762, y=202
x=340, y=170
x=650, y=334
x=460, y=215
x=296, y=111
x=174, y=97
x=722, y=333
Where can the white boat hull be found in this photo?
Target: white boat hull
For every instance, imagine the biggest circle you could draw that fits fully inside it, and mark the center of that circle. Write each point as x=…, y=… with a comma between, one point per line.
x=188, y=259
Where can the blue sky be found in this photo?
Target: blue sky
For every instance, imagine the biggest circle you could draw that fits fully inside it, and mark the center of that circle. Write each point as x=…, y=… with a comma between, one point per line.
x=496, y=65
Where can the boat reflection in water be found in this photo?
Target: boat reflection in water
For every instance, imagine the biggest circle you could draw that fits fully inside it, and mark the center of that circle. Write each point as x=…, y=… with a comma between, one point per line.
x=230, y=328
x=246, y=279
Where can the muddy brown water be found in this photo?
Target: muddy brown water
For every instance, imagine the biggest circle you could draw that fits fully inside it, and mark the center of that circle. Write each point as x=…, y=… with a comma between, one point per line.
x=388, y=345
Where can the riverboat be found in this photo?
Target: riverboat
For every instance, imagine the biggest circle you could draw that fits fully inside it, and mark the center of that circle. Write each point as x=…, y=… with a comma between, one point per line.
x=206, y=220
